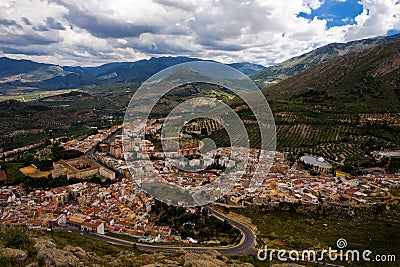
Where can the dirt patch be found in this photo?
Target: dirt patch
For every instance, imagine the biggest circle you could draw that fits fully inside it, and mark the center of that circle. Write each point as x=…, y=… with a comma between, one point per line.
x=34, y=172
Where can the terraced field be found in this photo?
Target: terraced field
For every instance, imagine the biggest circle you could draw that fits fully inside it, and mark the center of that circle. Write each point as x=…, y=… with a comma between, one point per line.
x=336, y=136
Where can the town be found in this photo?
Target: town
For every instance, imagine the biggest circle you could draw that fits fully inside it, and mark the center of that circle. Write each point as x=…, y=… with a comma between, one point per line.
x=123, y=206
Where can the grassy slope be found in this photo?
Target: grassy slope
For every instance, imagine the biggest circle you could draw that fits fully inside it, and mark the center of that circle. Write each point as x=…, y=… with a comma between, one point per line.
x=354, y=82
x=323, y=54
x=292, y=230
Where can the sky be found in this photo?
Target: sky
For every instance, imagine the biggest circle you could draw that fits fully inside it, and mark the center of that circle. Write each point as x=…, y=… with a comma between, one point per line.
x=93, y=32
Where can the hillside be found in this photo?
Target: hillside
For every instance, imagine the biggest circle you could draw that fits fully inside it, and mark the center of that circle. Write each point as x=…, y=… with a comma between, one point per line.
x=10, y=67
x=22, y=76
x=342, y=109
x=366, y=81
x=20, y=247
x=281, y=71
x=72, y=113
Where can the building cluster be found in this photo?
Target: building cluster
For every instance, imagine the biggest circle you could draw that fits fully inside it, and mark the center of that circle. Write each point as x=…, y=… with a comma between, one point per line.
x=91, y=141
x=20, y=149
x=252, y=176
x=380, y=155
x=218, y=169
x=111, y=154
x=255, y=179
x=285, y=184
x=121, y=208
x=381, y=118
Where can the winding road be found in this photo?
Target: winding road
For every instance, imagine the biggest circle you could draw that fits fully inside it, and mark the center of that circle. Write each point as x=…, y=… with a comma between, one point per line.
x=245, y=246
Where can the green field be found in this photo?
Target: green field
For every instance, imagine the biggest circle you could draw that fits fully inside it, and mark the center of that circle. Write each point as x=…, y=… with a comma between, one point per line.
x=32, y=96
x=293, y=230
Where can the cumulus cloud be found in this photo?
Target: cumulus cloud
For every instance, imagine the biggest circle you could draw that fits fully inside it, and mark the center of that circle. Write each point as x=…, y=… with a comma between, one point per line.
x=74, y=32
x=378, y=16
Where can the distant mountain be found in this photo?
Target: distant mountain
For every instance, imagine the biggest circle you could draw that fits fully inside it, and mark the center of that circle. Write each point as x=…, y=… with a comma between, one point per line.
x=364, y=81
x=281, y=71
x=143, y=69
x=247, y=67
x=131, y=71
x=12, y=70
x=29, y=74
x=10, y=67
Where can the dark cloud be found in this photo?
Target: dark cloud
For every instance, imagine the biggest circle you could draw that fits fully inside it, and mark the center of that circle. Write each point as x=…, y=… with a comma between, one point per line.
x=110, y=29
x=104, y=27
x=26, y=21
x=165, y=44
x=41, y=28
x=29, y=39
x=23, y=50
x=9, y=22
x=53, y=24
x=215, y=45
x=49, y=24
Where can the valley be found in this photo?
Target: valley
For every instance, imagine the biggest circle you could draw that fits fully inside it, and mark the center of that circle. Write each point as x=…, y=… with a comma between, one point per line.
x=74, y=168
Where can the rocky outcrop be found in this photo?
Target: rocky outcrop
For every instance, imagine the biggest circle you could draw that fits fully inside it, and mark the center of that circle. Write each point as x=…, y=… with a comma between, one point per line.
x=208, y=258
x=80, y=252
x=15, y=254
x=54, y=256
x=48, y=253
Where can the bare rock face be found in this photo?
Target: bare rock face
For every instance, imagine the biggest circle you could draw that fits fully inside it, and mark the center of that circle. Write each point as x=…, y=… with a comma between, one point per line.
x=76, y=256
x=80, y=252
x=53, y=256
x=208, y=258
x=17, y=254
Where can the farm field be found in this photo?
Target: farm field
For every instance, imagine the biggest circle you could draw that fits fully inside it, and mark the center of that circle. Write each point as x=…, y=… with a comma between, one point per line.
x=34, y=172
x=34, y=95
x=338, y=136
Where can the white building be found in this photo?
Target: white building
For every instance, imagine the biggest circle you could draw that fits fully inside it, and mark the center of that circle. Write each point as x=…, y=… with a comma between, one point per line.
x=93, y=226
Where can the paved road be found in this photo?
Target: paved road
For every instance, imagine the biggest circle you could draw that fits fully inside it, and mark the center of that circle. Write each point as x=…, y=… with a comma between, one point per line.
x=247, y=243
x=245, y=246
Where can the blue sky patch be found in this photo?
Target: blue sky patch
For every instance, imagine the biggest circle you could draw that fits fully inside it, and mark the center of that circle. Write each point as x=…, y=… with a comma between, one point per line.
x=392, y=32
x=336, y=12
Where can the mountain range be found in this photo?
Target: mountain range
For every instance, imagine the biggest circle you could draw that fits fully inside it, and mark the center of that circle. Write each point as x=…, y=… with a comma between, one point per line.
x=363, y=72
x=26, y=73
x=276, y=73
x=363, y=81
x=316, y=110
